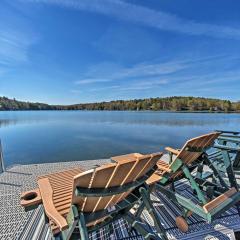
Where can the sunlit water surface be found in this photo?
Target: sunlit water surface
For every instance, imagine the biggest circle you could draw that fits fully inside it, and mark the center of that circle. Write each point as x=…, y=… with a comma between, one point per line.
x=53, y=136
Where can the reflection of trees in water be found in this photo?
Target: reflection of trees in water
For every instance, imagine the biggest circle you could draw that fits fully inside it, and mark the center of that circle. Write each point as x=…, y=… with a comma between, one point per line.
x=168, y=119
x=10, y=122
x=6, y=122
x=167, y=122
x=161, y=121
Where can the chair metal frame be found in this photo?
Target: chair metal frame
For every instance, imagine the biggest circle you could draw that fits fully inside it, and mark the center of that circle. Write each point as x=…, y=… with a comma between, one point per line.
x=208, y=192
x=226, y=157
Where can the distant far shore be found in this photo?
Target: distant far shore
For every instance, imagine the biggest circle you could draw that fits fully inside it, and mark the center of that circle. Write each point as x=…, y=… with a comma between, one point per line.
x=167, y=104
x=85, y=110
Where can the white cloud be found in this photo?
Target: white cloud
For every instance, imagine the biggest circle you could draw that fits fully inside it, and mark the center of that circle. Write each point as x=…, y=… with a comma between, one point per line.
x=106, y=73
x=75, y=91
x=146, y=16
x=145, y=84
x=145, y=69
x=105, y=88
x=91, y=80
x=142, y=84
x=187, y=82
x=16, y=36
x=14, y=46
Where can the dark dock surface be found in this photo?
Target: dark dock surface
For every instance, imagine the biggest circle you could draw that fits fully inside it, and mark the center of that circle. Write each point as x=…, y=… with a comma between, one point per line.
x=15, y=223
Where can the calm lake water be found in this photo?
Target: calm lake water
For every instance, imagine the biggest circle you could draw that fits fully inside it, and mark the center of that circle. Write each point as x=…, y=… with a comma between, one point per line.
x=53, y=136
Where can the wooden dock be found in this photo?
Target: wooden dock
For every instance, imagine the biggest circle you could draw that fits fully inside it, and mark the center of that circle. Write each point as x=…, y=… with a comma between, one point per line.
x=17, y=224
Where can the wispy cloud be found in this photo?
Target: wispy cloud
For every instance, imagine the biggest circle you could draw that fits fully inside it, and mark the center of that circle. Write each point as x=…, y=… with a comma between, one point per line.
x=186, y=82
x=144, y=69
x=16, y=38
x=105, y=88
x=75, y=91
x=105, y=73
x=142, y=84
x=220, y=78
x=91, y=80
x=146, y=16
x=152, y=72
x=143, y=77
x=14, y=46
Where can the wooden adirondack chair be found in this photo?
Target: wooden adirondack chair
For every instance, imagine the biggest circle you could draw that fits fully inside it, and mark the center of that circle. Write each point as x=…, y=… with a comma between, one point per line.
x=91, y=199
x=225, y=156
x=178, y=168
x=231, y=139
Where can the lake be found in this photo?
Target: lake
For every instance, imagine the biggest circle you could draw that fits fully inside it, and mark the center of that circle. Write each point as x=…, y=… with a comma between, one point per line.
x=53, y=136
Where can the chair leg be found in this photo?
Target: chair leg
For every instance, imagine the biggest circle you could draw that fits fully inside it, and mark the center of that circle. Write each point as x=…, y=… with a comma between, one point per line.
x=194, y=185
x=82, y=227
x=141, y=228
x=229, y=168
x=139, y=210
x=216, y=173
x=173, y=186
x=138, y=213
x=72, y=223
x=236, y=163
x=148, y=204
x=57, y=237
x=199, y=170
x=238, y=208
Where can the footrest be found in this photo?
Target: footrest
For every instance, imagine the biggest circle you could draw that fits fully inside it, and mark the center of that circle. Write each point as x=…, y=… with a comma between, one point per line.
x=222, y=202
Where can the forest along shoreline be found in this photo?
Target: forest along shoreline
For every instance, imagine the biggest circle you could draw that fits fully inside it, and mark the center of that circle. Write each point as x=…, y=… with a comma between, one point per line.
x=175, y=104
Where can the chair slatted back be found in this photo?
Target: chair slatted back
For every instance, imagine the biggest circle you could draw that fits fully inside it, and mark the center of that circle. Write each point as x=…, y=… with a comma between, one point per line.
x=201, y=142
x=189, y=156
x=111, y=175
x=142, y=166
x=115, y=179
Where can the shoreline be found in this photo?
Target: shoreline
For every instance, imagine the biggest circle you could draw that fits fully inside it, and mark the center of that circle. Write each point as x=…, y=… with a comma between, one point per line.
x=79, y=110
x=169, y=104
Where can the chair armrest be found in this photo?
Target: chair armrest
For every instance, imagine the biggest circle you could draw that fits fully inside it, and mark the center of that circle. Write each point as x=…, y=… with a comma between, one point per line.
x=31, y=198
x=232, y=132
x=47, y=200
x=224, y=147
x=164, y=168
x=225, y=197
x=230, y=135
x=172, y=150
x=229, y=139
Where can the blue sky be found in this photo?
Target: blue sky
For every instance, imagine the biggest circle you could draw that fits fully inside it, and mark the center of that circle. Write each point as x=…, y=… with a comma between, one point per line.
x=72, y=51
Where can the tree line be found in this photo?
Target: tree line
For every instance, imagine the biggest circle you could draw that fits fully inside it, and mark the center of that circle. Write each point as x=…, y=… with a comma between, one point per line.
x=13, y=104
x=153, y=104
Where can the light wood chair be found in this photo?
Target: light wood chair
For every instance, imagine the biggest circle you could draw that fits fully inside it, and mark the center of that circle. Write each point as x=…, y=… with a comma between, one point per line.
x=88, y=200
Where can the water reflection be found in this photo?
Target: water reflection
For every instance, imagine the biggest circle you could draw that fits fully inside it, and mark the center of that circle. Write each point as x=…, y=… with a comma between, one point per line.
x=52, y=136
x=108, y=117
x=6, y=122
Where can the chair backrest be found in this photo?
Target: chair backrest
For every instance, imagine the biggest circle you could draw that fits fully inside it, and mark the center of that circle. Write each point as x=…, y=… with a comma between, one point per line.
x=194, y=147
x=109, y=176
x=191, y=151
